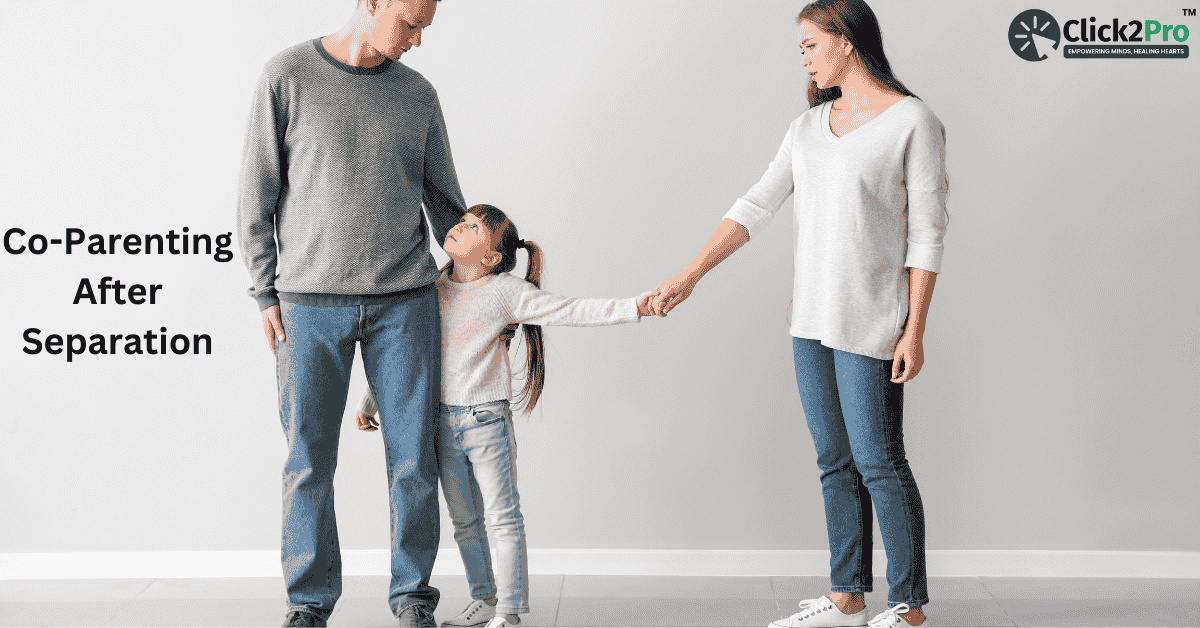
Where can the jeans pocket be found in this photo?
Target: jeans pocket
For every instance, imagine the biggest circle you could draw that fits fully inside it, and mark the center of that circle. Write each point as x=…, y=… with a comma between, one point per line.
x=490, y=413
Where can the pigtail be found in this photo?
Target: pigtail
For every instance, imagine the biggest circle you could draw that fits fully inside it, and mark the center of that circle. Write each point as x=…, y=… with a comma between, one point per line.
x=509, y=242
x=535, y=352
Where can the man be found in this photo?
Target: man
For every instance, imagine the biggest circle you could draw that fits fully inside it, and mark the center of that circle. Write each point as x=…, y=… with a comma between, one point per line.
x=343, y=146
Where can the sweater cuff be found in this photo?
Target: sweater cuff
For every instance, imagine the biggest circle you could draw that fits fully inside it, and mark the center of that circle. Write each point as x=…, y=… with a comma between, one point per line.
x=924, y=256
x=367, y=404
x=639, y=298
x=626, y=311
x=748, y=215
x=266, y=299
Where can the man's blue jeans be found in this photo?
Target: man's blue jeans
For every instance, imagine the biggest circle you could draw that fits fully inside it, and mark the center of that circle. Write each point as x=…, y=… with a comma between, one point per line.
x=855, y=414
x=401, y=347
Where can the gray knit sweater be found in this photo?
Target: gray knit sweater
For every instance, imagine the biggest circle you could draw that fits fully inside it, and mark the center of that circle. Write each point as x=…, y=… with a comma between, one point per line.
x=337, y=162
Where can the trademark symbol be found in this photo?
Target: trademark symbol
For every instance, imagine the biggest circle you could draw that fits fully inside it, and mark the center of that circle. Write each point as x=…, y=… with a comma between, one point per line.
x=1189, y=12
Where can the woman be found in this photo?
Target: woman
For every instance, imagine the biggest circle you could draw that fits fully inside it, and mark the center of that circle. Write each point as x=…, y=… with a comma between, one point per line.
x=866, y=164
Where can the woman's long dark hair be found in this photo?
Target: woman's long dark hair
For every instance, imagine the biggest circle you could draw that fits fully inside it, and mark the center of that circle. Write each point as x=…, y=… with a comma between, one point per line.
x=855, y=21
x=508, y=243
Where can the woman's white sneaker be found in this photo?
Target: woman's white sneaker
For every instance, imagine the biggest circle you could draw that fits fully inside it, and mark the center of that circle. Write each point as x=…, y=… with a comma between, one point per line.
x=821, y=613
x=477, y=613
x=891, y=618
x=498, y=621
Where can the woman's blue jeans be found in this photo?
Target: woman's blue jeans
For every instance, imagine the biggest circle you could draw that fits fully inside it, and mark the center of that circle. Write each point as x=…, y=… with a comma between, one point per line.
x=401, y=348
x=855, y=414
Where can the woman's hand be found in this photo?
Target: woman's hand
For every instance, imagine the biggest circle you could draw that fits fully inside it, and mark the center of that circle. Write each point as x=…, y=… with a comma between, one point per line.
x=672, y=292
x=366, y=423
x=908, y=351
x=728, y=237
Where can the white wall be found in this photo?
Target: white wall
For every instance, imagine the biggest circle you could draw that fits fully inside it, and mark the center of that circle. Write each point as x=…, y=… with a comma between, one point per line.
x=1057, y=408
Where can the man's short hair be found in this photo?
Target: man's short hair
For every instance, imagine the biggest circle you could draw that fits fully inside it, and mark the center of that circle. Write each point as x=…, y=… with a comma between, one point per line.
x=362, y=1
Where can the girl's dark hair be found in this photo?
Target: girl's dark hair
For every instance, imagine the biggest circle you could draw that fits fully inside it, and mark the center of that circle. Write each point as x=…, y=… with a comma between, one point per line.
x=855, y=21
x=508, y=242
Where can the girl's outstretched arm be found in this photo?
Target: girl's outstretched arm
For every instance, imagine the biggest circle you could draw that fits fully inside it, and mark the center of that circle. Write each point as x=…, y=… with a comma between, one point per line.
x=728, y=237
x=526, y=303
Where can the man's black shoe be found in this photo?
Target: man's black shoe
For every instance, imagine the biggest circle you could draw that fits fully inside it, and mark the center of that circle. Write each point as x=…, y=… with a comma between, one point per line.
x=297, y=617
x=417, y=616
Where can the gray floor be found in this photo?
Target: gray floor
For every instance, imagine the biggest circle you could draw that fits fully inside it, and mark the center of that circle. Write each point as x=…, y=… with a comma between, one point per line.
x=605, y=601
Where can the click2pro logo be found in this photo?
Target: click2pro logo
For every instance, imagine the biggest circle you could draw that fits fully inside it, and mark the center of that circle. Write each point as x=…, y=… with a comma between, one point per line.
x=1033, y=34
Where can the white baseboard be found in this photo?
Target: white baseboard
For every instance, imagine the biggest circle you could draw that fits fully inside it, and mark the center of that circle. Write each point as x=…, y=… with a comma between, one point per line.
x=1005, y=563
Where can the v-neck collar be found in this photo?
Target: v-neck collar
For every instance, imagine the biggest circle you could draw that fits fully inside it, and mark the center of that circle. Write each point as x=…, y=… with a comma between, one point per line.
x=828, y=132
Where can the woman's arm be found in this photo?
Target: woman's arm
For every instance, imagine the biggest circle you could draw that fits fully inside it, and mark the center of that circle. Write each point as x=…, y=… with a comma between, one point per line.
x=728, y=237
x=927, y=186
x=909, y=349
x=749, y=214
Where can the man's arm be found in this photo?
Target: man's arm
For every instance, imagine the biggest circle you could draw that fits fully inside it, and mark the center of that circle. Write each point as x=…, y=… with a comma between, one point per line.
x=443, y=198
x=262, y=181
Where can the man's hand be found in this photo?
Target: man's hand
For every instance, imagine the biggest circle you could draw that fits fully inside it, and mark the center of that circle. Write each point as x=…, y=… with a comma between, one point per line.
x=272, y=326
x=366, y=423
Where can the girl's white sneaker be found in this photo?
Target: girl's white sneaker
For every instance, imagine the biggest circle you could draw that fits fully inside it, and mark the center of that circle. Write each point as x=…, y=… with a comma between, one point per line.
x=498, y=622
x=477, y=613
x=821, y=613
x=891, y=618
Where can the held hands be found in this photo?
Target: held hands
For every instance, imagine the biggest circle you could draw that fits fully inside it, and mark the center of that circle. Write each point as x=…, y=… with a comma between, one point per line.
x=644, y=307
x=672, y=292
x=272, y=326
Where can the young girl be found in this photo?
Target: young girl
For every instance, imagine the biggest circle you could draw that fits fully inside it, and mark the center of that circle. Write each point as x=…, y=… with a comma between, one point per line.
x=478, y=298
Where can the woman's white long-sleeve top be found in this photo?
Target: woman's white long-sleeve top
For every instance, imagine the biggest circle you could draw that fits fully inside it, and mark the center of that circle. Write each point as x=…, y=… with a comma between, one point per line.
x=868, y=206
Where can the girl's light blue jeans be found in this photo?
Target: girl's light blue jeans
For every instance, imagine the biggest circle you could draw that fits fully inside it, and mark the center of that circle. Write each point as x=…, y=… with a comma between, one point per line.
x=855, y=414
x=479, y=479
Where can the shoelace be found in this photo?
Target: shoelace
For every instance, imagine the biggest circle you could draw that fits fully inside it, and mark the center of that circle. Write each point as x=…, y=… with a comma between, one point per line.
x=301, y=618
x=472, y=608
x=424, y=616
x=890, y=617
x=807, y=610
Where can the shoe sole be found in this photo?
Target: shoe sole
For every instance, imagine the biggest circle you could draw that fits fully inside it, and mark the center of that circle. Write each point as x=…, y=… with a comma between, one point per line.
x=775, y=625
